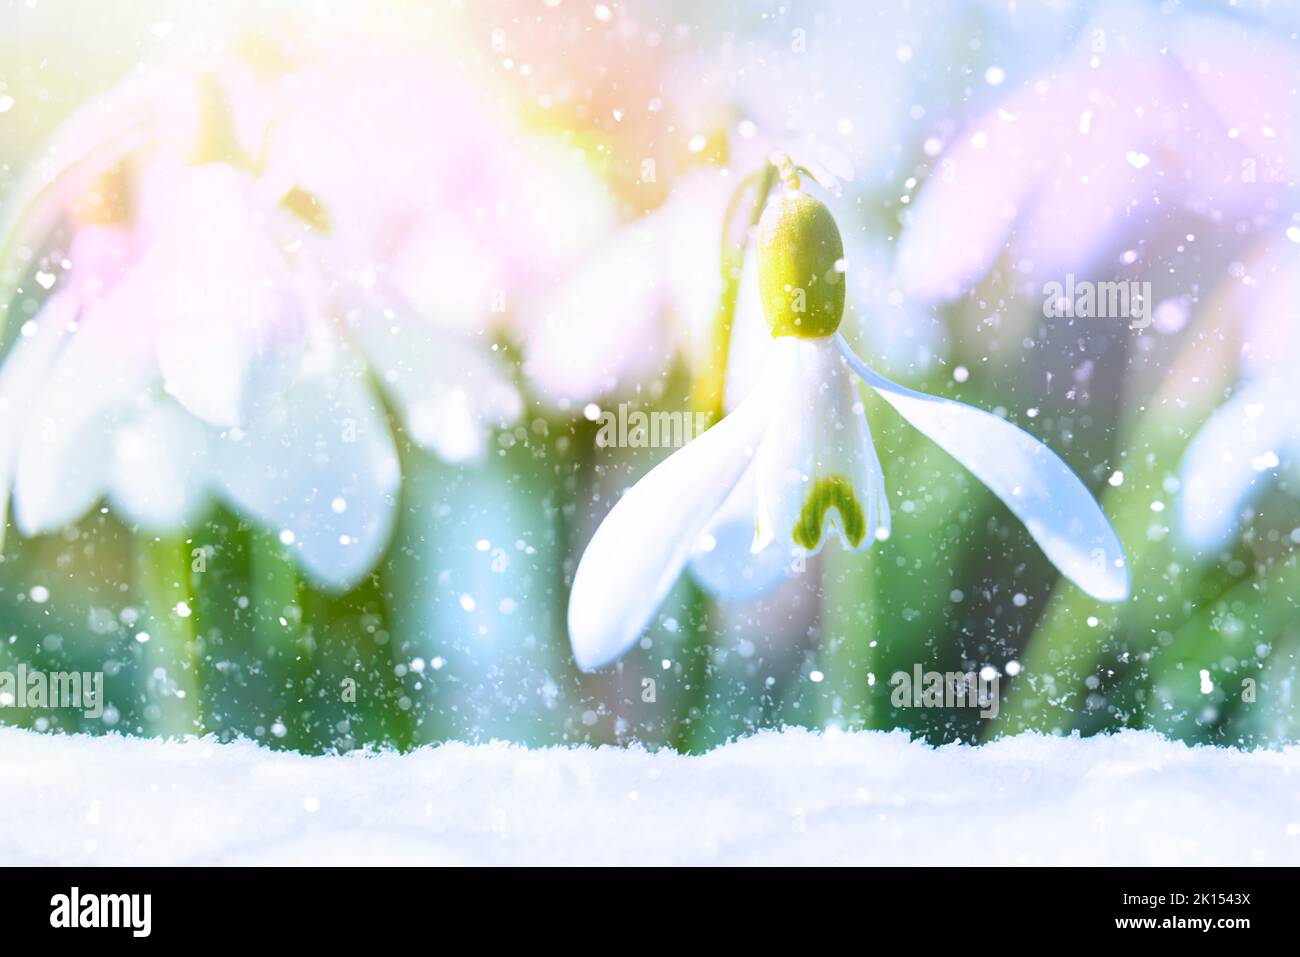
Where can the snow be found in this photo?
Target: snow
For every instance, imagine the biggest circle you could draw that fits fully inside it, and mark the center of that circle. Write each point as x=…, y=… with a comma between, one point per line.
x=778, y=797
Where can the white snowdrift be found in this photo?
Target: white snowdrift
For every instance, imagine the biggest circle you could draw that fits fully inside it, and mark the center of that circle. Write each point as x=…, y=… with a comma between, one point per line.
x=790, y=797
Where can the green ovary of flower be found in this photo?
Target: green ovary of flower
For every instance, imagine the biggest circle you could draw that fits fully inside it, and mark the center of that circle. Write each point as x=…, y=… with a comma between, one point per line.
x=800, y=267
x=832, y=492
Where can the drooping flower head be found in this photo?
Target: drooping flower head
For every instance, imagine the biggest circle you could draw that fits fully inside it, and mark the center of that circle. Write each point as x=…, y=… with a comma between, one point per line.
x=794, y=463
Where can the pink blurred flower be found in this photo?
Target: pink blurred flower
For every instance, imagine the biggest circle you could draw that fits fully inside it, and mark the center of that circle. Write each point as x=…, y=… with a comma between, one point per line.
x=1151, y=117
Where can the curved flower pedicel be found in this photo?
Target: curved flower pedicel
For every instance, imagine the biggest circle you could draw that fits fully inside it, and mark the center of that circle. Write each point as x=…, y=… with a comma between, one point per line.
x=797, y=456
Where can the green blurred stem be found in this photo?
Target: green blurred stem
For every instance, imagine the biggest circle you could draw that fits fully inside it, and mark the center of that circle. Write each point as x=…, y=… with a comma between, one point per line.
x=849, y=621
x=1258, y=609
x=275, y=588
x=693, y=733
x=164, y=584
x=277, y=621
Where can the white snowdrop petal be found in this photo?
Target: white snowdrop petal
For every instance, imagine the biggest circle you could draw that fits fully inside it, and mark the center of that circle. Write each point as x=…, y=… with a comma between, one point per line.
x=228, y=324
x=1030, y=478
x=22, y=376
x=449, y=391
x=324, y=439
x=448, y=273
x=642, y=545
x=100, y=373
x=1220, y=473
x=159, y=468
x=816, y=470
x=964, y=213
x=576, y=351
x=723, y=561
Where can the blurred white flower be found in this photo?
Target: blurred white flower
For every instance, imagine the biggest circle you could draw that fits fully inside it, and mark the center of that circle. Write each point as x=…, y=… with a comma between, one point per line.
x=1256, y=433
x=211, y=337
x=495, y=231
x=648, y=294
x=432, y=183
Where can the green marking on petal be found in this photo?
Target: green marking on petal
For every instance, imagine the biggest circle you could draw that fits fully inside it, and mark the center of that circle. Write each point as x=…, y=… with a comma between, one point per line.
x=835, y=492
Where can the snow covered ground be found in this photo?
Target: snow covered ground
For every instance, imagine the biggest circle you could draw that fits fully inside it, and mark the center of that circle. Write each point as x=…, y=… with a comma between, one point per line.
x=791, y=797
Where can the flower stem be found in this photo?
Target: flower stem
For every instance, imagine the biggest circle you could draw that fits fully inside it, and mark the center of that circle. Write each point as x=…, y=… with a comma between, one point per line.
x=171, y=655
x=849, y=620
x=275, y=592
x=692, y=734
x=277, y=625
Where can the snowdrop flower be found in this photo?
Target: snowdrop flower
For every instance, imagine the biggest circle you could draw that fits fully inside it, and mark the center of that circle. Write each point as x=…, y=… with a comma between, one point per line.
x=204, y=341
x=1257, y=431
x=660, y=274
x=172, y=307
x=797, y=455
